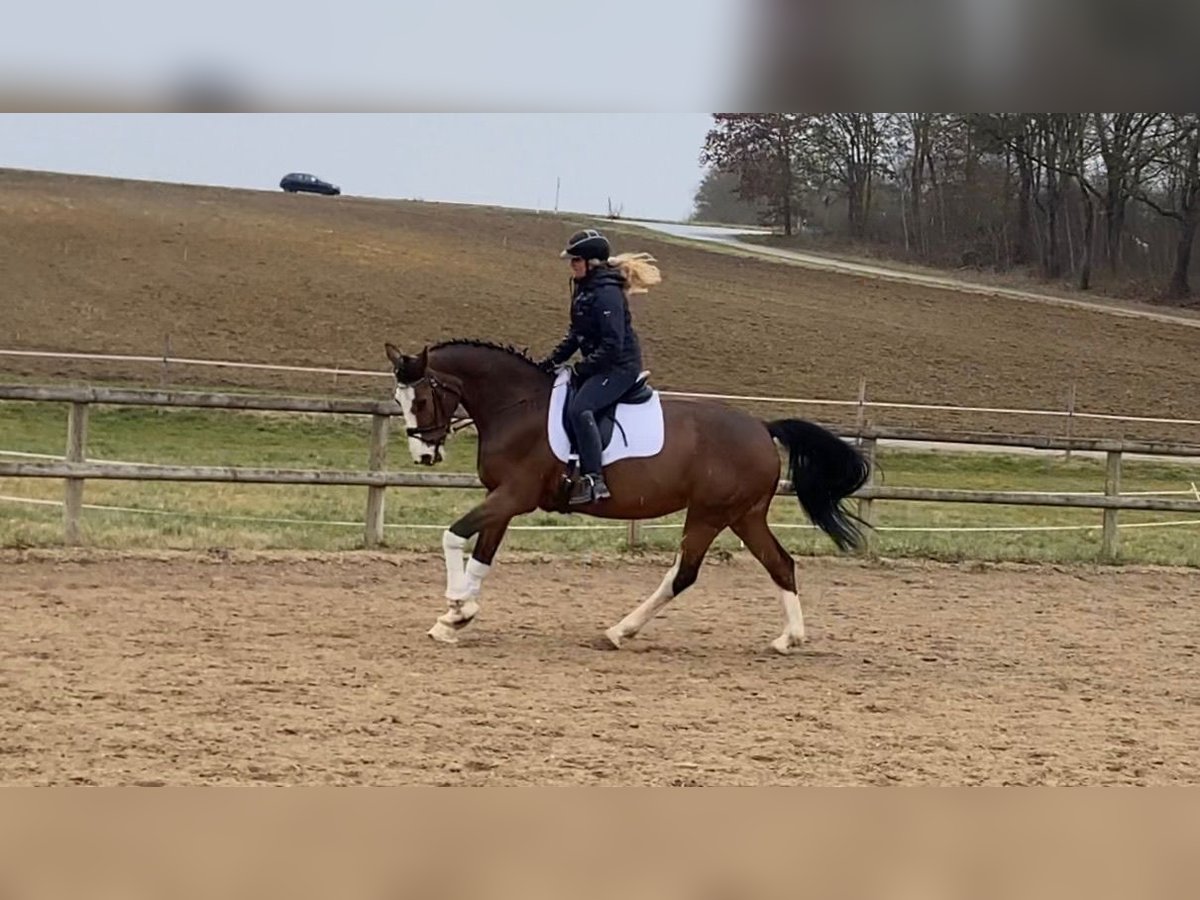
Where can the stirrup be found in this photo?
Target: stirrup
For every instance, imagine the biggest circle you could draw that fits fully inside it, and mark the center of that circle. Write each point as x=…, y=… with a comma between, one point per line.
x=600, y=490
x=582, y=490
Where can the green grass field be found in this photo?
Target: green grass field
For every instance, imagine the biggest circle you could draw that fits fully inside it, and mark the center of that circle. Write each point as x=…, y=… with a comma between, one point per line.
x=204, y=516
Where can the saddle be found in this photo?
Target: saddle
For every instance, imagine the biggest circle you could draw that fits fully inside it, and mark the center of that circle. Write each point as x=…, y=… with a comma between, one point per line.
x=606, y=418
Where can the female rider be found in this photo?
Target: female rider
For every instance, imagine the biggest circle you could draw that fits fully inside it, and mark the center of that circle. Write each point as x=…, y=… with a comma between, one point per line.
x=601, y=328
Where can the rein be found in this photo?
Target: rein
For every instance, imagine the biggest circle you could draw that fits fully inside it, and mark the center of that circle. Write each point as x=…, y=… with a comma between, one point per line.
x=447, y=424
x=466, y=422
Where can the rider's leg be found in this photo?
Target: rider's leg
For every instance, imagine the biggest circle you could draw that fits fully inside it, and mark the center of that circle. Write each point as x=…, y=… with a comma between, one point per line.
x=596, y=393
x=590, y=485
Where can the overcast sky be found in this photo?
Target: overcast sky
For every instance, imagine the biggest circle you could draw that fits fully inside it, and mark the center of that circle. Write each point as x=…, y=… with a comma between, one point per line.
x=465, y=55
x=647, y=162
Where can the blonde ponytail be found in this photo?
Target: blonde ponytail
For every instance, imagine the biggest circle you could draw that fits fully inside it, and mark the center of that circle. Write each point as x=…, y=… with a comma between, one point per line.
x=639, y=271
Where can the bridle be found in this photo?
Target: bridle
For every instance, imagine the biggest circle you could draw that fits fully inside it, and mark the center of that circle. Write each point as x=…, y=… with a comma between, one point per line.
x=443, y=422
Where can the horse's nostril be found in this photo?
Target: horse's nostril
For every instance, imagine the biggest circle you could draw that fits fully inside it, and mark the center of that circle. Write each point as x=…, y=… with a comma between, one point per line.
x=426, y=459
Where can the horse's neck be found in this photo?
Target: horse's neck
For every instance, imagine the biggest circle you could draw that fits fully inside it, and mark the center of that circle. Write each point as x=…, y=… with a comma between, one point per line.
x=497, y=389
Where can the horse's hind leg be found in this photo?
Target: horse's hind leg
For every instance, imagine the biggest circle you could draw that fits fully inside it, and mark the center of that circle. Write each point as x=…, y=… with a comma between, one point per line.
x=698, y=536
x=757, y=536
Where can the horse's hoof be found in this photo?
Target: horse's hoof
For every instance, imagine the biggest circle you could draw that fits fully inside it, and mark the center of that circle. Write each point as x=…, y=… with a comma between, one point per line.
x=784, y=645
x=609, y=641
x=443, y=633
x=463, y=616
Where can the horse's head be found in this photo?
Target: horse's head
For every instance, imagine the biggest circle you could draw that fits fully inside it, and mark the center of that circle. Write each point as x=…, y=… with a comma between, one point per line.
x=428, y=401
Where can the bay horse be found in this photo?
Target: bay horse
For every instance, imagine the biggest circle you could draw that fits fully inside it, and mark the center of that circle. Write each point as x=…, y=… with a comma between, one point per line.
x=718, y=463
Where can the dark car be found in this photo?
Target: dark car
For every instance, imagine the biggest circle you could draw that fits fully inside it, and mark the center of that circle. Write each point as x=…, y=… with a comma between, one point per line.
x=301, y=181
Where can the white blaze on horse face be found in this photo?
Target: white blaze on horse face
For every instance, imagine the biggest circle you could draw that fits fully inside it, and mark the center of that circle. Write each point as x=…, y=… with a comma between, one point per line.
x=417, y=448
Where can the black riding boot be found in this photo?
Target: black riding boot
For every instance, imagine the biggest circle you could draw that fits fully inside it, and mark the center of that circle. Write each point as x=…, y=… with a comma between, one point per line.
x=590, y=486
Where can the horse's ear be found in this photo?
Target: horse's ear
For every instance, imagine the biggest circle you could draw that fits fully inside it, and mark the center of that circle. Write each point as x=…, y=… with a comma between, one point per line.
x=423, y=360
x=393, y=353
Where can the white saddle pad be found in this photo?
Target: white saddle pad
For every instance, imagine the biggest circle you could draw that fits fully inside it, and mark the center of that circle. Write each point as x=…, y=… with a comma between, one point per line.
x=642, y=424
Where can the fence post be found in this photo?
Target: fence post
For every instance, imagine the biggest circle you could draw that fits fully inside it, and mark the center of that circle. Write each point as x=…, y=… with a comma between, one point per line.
x=860, y=419
x=376, y=461
x=1111, y=541
x=166, y=361
x=866, y=507
x=77, y=422
x=1070, y=419
x=633, y=534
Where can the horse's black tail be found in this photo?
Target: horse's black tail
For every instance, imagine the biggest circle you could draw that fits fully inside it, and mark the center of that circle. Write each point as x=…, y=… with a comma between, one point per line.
x=824, y=470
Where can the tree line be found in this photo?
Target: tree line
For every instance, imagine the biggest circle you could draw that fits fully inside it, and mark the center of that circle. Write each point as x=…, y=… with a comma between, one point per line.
x=1066, y=195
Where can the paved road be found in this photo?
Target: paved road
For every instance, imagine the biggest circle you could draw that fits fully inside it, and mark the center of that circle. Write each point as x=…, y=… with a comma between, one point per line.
x=730, y=237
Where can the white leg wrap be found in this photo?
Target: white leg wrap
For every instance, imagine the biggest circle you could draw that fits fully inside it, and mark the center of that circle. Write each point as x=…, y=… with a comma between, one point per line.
x=464, y=606
x=463, y=585
x=472, y=580
x=456, y=579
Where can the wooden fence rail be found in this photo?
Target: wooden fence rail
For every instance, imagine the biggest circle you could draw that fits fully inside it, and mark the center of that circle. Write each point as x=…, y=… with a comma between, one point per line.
x=269, y=403
x=379, y=479
x=74, y=469
x=236, y=475
x=195, y=400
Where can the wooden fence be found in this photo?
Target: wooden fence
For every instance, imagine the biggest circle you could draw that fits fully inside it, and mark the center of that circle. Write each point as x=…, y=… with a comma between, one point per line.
x=74, y=469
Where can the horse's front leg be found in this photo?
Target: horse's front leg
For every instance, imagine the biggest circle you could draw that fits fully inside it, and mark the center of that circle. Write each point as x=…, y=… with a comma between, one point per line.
x=464, y=583
x=463, y=591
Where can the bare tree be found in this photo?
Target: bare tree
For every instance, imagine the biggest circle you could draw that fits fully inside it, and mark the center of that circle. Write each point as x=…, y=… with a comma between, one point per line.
x=1128, y=143
x=1017, y=128
x=1049, y=146
x=717, y=200
x=845, y=148
x=763, y=151
x=922, y=130
x=970, y=189
x=1080, y=149
x=1180, y=157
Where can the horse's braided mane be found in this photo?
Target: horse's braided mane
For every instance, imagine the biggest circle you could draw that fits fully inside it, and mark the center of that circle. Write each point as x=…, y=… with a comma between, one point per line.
x=517, y=352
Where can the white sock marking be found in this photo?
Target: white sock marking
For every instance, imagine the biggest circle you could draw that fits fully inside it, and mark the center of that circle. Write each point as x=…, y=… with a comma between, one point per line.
x=636, y=620
x=793, y=630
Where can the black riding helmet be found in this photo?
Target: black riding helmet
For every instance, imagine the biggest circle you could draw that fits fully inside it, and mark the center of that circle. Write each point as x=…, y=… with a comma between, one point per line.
x=588, y=244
